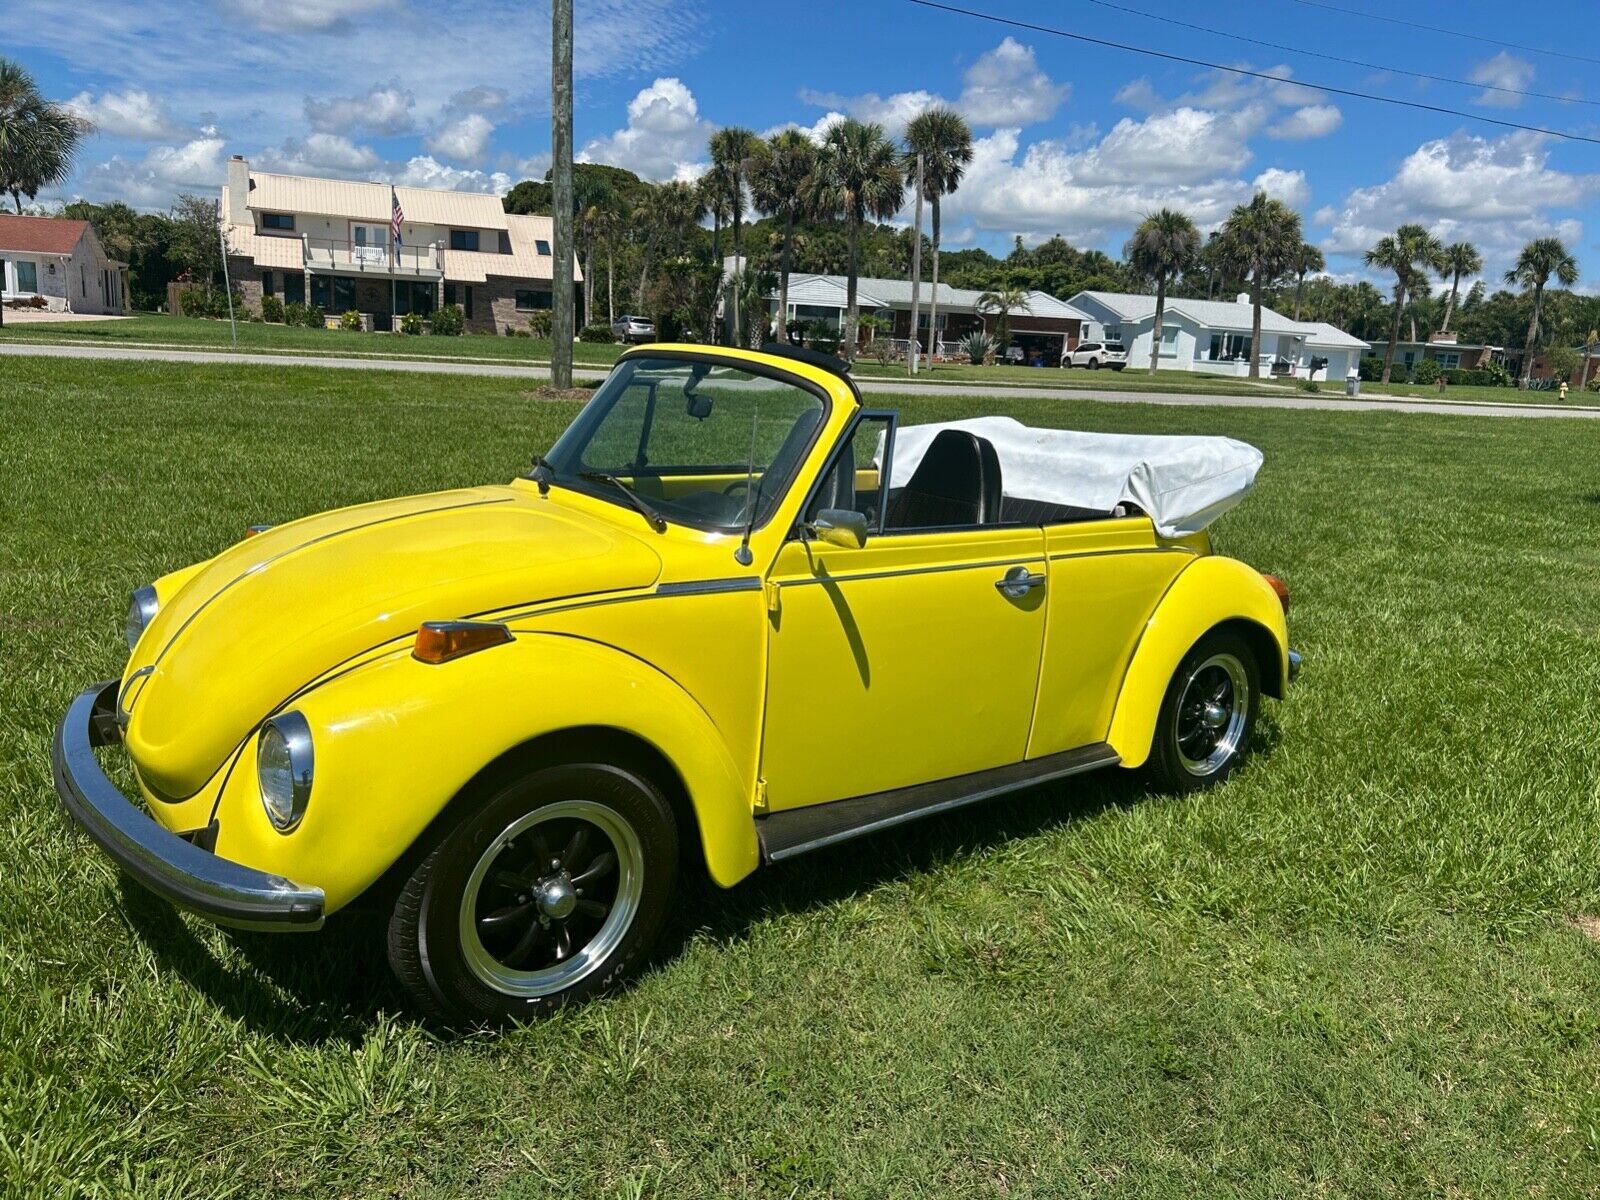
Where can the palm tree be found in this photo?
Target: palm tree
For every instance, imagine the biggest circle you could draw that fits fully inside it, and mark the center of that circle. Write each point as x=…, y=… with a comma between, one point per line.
x=715, y=198
x=1004, y=299
x=780, y=184
x=38, y=140
x=1460, y=259
x=857, y=176
x=1539, y=260
x=1165, y=245
x=1307, y=261
x=649, y=217
x=1408, y=252
x=732, y=149
x=1261, y=239
x=944, y=140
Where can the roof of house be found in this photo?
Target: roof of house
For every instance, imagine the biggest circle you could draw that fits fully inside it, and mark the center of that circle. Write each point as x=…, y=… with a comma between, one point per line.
x=830, y=291
x=1222, y=314
x=40, y=235
x=524, y=261
x=371, y=201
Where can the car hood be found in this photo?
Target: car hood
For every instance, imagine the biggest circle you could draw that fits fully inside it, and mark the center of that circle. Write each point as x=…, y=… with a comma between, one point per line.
x=271, y=614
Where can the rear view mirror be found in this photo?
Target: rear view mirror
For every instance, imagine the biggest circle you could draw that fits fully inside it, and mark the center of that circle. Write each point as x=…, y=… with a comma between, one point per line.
x=840, y=527
x=699, y=407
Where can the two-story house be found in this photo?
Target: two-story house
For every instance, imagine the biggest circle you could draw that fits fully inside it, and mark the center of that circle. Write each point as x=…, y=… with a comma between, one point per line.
x=329, y=242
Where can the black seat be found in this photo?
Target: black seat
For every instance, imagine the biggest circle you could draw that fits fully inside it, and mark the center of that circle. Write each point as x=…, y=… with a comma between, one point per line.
x=956, y=483
x=838, y=488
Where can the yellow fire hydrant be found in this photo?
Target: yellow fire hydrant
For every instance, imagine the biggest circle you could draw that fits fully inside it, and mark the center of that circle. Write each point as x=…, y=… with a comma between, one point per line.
x=1563, y=389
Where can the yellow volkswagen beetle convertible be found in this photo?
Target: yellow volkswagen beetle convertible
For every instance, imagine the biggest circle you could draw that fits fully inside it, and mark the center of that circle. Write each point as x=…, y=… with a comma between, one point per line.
x=730, y=617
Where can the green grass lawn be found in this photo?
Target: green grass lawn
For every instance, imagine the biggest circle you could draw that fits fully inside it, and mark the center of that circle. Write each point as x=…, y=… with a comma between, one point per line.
x=196, y=333
x=1353, y=971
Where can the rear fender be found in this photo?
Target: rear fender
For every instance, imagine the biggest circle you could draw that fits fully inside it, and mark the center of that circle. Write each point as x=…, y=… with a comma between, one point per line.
x=1210, y=592
x=396, y=740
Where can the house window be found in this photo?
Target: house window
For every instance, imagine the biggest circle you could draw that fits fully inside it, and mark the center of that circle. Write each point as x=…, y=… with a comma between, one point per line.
x=459, y=293
x=283, y=221
x=266, y=284
x=294, y=287
x=505, y=242
x=463, y=239
x=530, y=298
x=1230, y=347
x=1113, y=333
x=27, y=276
x=1449, y=361
x=1169, y=341
x=333, y=293
x=541, y=246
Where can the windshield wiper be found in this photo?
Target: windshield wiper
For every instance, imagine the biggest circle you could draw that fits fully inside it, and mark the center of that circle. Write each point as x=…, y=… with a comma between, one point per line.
x=657, y=521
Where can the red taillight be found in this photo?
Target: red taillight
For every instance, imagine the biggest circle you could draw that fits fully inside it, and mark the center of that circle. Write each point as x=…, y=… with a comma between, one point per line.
x=1281, y=588
x=440, y=641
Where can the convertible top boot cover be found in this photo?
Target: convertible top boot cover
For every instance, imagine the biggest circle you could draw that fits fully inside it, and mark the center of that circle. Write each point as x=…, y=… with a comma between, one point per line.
x=1182, y=483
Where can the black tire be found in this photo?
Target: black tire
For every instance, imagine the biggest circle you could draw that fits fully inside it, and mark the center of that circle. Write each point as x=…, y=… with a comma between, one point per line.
x=1190, y=749
x=451, y=973
x=1094, y=364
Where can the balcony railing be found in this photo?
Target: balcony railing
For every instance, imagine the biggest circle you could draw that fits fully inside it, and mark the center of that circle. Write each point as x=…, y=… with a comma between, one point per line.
x=337, y=254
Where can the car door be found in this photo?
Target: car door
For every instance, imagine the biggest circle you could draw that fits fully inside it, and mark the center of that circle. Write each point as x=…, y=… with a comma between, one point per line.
x=1106, y=578
x=901, y=661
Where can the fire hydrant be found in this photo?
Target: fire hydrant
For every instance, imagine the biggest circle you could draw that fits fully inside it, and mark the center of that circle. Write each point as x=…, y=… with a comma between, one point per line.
x=1563, y=389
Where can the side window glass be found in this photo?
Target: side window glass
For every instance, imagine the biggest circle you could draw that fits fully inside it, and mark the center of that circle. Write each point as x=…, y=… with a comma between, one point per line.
x=855, y=481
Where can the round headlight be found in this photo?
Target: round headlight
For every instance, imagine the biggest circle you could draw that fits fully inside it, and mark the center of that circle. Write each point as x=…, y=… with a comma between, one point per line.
x=141, y=610
x=283, y=769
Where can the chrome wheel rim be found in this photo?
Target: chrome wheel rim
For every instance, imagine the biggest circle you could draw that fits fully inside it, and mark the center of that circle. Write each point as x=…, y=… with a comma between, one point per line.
x=1213, y=709
x=550, y=898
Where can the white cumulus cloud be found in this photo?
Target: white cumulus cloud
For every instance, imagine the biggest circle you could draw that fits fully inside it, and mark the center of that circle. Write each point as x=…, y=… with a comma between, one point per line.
x=319, y=154
x=465, y=139
x=665, y=137
x=384, y=109
x=1310, y=121
x=1504, y=70
x=1006, y=87
x=133, y=113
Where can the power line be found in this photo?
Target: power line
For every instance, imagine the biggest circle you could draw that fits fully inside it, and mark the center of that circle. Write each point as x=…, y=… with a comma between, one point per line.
x=1350, y=62
x=1214, y=66
x=1471, y=37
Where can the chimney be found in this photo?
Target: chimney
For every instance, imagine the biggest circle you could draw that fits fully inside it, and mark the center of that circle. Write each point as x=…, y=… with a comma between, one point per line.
x=1444, y=339
x=1243, y=298
x=238, y=206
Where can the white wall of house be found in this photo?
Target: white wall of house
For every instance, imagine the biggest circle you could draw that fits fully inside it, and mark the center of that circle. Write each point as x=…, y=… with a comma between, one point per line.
x=30, y=275
x=85, y=282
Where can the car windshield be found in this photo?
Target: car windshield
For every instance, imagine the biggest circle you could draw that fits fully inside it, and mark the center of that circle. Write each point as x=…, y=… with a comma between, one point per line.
x=700, y=444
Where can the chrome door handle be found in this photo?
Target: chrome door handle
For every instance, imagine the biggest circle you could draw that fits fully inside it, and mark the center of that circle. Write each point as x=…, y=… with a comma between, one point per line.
x=1018, y=582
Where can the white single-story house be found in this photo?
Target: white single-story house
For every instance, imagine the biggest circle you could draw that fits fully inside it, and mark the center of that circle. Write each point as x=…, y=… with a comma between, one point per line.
x=1044, y=329
x=60, y=263
x=1214, y=336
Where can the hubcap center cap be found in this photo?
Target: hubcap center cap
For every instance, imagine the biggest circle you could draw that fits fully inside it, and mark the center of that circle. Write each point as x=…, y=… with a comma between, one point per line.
x=557, y=898
x=1214, y=715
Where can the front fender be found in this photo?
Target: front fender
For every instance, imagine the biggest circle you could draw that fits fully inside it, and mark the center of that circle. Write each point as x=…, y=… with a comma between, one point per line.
x=395, y=740
x=1209, y=592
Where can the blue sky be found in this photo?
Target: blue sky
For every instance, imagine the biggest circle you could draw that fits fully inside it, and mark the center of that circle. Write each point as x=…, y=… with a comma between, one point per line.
x=1071, y=138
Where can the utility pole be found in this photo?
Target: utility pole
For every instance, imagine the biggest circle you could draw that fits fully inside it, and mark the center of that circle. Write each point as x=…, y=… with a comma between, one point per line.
x=561, y=193
x=914, y=346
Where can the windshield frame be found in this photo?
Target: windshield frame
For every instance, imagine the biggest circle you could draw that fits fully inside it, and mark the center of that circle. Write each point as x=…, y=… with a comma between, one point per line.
x=590, y=416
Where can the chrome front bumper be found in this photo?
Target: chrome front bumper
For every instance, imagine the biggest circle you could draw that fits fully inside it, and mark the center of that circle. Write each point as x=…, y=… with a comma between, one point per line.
x=170, y=866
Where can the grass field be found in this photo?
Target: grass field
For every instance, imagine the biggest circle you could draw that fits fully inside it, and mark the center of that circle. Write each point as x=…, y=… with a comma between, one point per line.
x=1357, y=970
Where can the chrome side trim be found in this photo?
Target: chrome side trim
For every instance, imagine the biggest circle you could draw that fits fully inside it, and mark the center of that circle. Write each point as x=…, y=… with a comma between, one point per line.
x=700, y=587
x=267, y=562
x=940, y=570
x=1066, y=554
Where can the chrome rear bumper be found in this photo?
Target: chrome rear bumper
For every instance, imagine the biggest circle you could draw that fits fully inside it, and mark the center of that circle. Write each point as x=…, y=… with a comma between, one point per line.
x=170, y=866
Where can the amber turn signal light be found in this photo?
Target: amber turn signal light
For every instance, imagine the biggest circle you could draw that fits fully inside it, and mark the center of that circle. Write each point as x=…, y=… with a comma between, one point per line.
x=1281, y=588
x=255, y=529
x=440, y=641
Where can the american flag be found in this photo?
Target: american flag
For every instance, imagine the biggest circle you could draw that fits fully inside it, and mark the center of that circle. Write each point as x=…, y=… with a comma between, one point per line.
x=396, y=215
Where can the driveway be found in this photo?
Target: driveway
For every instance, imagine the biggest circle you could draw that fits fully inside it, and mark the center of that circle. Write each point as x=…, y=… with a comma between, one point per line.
x=871, y=386
x=40, y=316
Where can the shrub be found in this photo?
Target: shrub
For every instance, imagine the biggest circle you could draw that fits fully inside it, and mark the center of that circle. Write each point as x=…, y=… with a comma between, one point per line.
x=596, y=333
x=197, y=302
x=294, y=313
x=539, y=322
x=825, y=341
x=978, y=347
x=316, y=318
x=1425, y=371
x=449, y=321
x=1370, y=368
x=411, y=323
x=1497, y=374
x=1310, y=385
x=271, y=309
x=350, y=320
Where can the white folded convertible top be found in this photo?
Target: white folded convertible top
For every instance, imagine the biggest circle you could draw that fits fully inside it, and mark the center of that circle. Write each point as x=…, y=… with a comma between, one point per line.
x=1182, y=483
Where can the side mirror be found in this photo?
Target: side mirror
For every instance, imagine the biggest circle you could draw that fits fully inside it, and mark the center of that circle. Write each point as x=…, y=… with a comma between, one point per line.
x=840, y=527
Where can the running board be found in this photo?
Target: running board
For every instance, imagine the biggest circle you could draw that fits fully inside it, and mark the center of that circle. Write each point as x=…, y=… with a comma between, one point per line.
x=797, y=830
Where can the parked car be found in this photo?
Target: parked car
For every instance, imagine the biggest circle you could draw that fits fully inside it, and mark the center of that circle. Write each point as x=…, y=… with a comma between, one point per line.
x=730, y=617
x=634, y=329
x=1095, y=355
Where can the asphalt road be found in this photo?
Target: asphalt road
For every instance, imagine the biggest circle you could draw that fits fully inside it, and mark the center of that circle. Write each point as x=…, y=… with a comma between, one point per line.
x=1329, y=403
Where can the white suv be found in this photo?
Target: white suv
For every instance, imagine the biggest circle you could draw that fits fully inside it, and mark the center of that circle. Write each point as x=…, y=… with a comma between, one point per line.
x=1095, y=355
